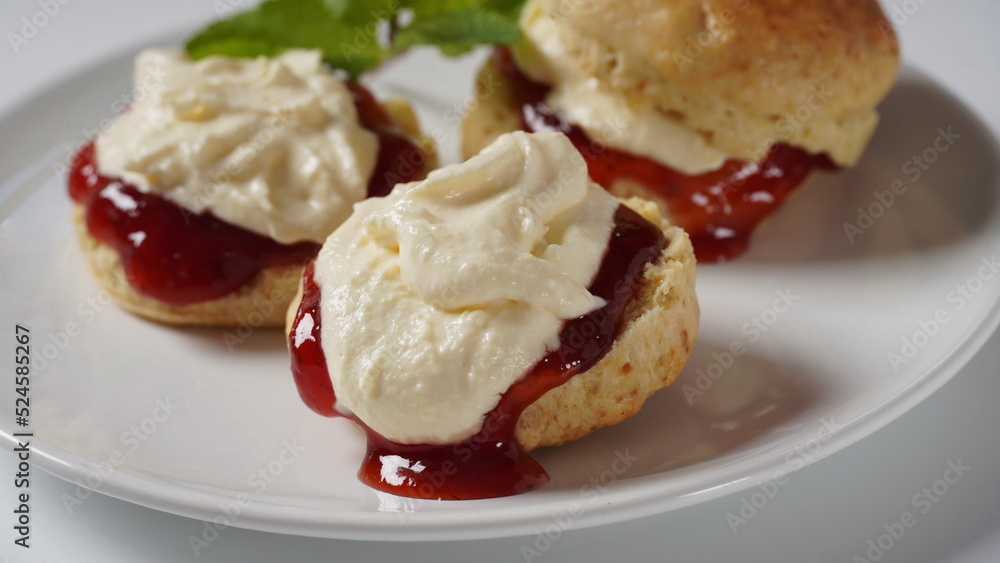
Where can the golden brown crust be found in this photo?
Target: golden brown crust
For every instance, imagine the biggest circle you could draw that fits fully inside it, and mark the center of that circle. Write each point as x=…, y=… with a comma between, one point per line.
x=743, y=73
x=660, y=329
x=261, y=302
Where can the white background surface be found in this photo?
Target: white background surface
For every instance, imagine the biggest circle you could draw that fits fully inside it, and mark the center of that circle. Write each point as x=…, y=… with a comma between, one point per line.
x=826, y=512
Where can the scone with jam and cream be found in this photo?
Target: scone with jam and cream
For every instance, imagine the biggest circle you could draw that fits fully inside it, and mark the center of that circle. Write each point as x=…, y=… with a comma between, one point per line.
x=715, y=109
x=501, y=305
x=201, y=203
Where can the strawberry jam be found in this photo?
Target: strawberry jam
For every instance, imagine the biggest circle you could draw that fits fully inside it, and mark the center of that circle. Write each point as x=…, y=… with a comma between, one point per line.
x=490, y=463
x=180, y=257
x=399, y=159
x=718, y=209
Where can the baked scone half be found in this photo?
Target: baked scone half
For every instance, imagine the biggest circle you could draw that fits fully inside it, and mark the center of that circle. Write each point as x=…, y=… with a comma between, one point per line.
x=501, y=305
x=201, y=203
x=649, y=352
x=716, y=109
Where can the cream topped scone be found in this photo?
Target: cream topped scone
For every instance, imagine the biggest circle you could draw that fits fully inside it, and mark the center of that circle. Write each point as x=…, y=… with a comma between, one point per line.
x=202, y=201
x=715, y=109
x=500, y=305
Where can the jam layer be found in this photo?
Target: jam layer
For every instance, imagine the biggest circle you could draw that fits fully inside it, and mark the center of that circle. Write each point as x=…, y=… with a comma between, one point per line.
x=169, y=253
x=399, y=159
x=490, y=463
x=718, y=209
x=180, y=257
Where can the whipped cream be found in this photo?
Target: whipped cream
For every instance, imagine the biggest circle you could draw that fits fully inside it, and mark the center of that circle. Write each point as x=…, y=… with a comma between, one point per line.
x=605, y=116
x=438, y=297
x=272, y=145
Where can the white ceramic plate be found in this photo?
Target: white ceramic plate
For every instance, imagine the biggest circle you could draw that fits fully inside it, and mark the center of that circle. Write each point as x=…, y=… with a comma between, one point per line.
x=207, y=423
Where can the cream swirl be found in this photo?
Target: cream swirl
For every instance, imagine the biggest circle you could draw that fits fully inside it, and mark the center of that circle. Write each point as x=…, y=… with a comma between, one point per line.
x=438, y=297
x=272, y=145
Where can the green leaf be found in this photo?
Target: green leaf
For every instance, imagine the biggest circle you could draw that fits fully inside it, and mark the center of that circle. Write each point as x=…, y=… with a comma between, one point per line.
x=278, y=25
x=458, y=31
x=362, y=12
x=422, y=8
x=338, y=8
x=346, y=30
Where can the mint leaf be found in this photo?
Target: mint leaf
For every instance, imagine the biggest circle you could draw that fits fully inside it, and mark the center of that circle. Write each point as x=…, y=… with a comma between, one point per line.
x=338, y=8
x=347, y=31
x=458, y=31
x=278, y=25
x=422, y=8
x=361, y=12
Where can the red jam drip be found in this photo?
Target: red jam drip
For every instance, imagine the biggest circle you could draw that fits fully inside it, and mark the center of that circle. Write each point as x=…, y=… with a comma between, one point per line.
x=718, y=209
x=179, y=257
x=490, y=463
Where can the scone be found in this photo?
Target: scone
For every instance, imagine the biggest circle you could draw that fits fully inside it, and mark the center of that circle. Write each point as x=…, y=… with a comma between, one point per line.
x=201, y=203
x=500, y=305
x=715, y=109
